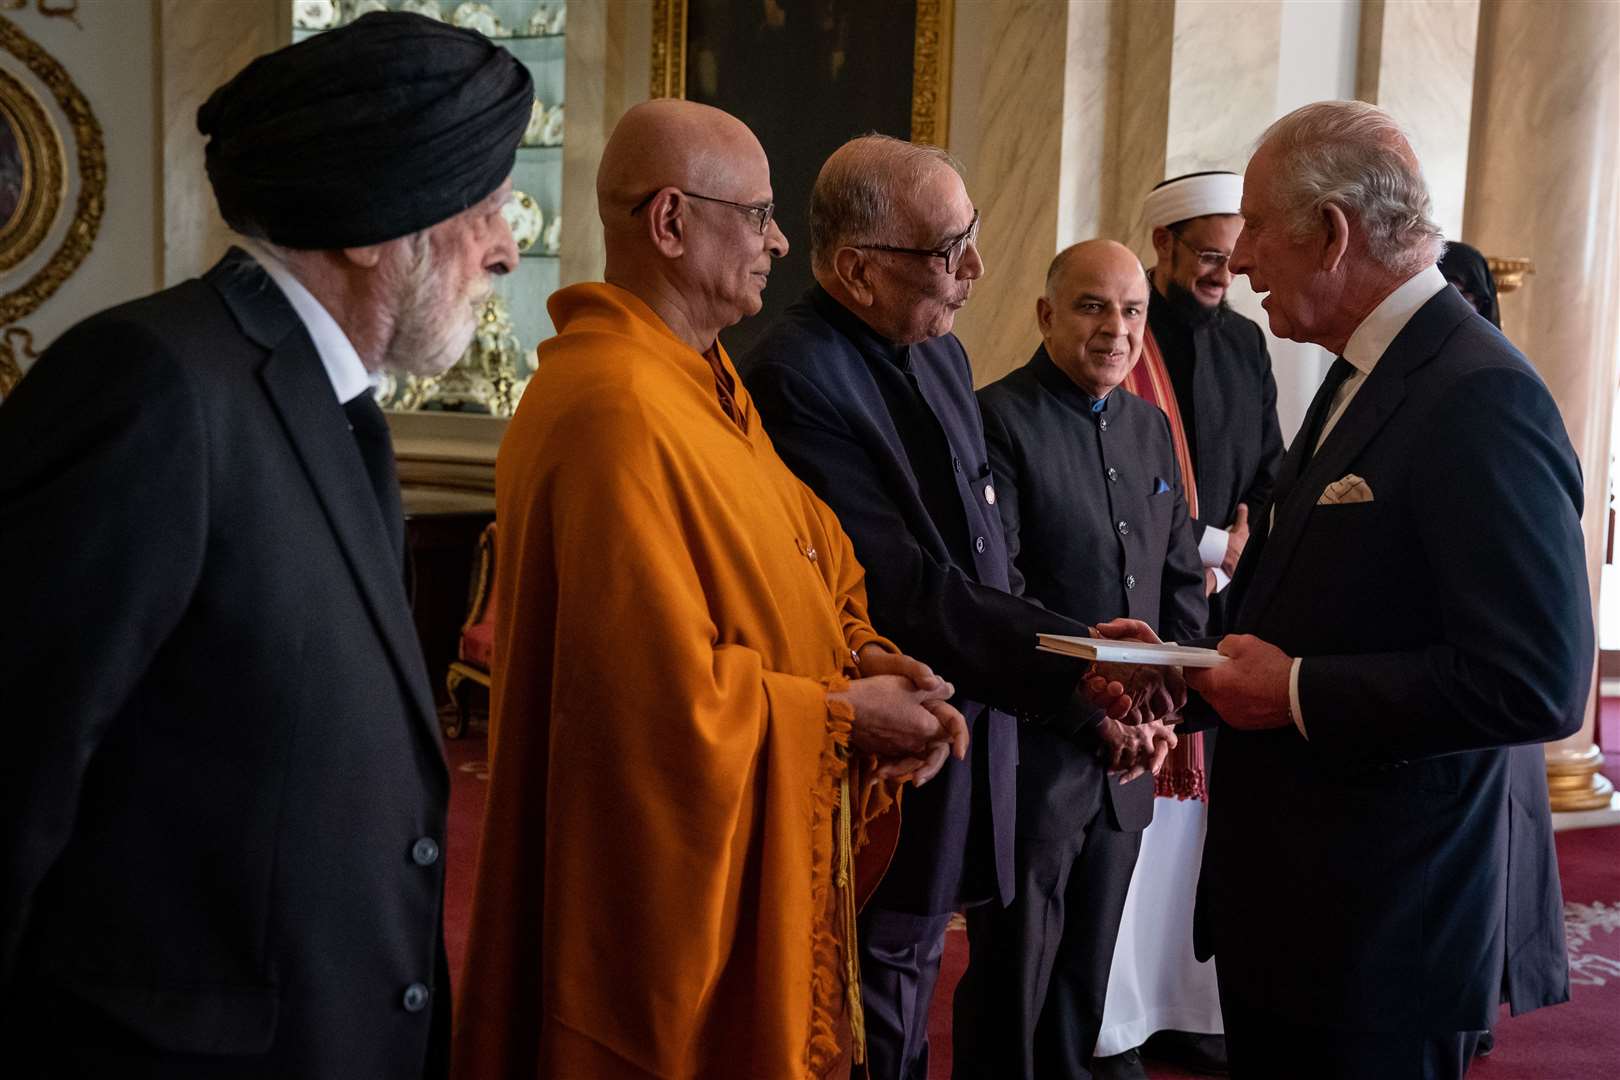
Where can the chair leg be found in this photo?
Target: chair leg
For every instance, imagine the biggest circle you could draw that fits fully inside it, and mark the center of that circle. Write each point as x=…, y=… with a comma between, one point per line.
x=453, y=682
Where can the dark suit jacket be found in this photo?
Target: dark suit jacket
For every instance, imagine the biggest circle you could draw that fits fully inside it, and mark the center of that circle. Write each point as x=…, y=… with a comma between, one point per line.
x=1360, y=879
x=1096, y=520
x=223, y=753
x=942, y=593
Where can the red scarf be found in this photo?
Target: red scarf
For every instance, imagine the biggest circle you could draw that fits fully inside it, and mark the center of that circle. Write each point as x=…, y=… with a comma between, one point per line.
x=1183, y=774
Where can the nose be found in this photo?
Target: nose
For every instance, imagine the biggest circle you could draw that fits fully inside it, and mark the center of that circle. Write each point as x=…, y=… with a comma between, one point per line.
x=1242, y=258
x=776, y=241
x=502, y=257
x=1222, y=274
x=972, y=265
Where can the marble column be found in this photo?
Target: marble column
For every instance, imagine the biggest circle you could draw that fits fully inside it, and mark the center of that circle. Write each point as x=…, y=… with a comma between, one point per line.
x=1542, y=183
x=201, y=46
x=1416, y=62
x=1007, y=106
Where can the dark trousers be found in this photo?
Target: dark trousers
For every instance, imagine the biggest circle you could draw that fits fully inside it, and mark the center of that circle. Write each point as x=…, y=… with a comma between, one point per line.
x=1031, y=1001
x=1262, y=1045
x=899, y=964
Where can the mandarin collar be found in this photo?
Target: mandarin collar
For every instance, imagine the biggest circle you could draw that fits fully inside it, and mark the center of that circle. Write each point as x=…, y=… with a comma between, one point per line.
x=851, y=325
x=1064, y=388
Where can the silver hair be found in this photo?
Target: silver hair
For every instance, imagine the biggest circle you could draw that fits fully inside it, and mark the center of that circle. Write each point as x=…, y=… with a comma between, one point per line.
x=1355, y=156
x=857, y=200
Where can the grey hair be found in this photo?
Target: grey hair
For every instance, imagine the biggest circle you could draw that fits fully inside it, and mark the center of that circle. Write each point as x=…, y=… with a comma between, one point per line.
x=1355, y=156
x=857, y=195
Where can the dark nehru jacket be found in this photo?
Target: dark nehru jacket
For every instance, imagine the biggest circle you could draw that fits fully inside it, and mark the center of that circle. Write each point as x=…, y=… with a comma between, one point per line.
x=1096, y=519
x=1222, y=377
x=890, y=437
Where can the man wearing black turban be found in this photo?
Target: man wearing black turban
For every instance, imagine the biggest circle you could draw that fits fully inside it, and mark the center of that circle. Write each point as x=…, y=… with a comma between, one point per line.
x=223, y=797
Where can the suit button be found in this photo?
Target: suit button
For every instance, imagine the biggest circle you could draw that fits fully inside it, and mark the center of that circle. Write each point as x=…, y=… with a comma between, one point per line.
x=425, y=852
x=956, y=463
x=1130, y=581
x=1103, y=423
x=416, y=997
x=1124, y=528
x=1113, y=475
x=978, y=545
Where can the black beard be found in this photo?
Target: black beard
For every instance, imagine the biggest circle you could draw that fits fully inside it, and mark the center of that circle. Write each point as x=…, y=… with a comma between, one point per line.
x=1188, y=309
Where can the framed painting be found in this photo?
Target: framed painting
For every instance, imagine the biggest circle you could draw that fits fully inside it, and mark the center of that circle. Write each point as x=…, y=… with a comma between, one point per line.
x=39, y=162
x=805, y=76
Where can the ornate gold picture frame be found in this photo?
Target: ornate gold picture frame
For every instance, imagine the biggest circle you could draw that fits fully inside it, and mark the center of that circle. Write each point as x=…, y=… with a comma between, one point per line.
x=930, y=62
x=34, y=182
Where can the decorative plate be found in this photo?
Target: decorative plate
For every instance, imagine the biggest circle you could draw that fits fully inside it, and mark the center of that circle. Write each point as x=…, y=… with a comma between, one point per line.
x=551, y=134
x=315, y=14
x=540, y=21
x=523, y=215
x=551, y=239
x=479, y=17
x=364, y=7
x=537, y=124
x=429, y=8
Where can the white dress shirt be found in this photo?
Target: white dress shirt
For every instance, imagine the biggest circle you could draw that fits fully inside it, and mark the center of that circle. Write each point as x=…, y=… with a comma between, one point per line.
x=343, y=365
x=1363, y=351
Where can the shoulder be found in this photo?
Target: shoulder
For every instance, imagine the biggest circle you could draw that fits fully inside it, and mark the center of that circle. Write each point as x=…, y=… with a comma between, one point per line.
x=1015, y=392
x=801, y=340
x=178, y=336
x=1247, y=339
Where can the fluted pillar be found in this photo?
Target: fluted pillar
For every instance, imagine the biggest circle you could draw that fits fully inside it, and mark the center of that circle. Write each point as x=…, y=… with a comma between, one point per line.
x=1544, y=182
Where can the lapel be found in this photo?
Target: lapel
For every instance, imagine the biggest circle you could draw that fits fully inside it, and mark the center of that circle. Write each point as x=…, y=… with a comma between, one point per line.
x=301, y=394
x=1377, y=400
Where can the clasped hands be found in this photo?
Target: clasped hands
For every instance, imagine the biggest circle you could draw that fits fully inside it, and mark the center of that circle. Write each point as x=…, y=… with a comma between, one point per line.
x=903, y=716
x=1139, y=704
x=1249, y=691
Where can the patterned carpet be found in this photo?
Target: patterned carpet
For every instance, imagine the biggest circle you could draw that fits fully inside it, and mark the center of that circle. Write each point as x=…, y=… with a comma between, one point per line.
x=1576, y=1041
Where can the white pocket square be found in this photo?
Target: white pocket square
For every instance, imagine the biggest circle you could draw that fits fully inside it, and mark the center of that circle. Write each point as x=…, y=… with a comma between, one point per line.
x=1350, y=489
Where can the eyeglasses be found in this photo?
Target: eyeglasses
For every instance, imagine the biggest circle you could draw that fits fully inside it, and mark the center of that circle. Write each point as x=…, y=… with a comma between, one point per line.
x=951, y=252
x=1208, y=259
x=762, y=214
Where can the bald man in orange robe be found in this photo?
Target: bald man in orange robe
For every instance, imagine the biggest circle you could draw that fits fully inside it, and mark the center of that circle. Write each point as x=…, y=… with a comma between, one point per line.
x=693, y=722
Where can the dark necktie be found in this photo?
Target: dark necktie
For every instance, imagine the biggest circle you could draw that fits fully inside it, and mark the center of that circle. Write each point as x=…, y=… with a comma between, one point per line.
x=377, y=451
x=1315, y=418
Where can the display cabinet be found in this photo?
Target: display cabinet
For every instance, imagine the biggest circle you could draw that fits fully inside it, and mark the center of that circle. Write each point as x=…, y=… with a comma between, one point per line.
x=490, y=377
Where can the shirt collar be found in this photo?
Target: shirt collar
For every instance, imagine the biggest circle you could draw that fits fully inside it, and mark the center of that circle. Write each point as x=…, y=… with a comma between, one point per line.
x=343, y=366
x=1389, y=318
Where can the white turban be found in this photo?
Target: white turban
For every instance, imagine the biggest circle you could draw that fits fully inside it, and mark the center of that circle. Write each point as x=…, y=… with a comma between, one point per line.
x=1193, y=195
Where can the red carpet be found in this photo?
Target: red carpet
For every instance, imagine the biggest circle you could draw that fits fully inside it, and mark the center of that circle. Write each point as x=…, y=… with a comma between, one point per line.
x=1576, y=1041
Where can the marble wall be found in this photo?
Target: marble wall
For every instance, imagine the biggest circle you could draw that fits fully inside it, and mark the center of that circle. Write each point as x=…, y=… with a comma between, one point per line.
x=1417, y=63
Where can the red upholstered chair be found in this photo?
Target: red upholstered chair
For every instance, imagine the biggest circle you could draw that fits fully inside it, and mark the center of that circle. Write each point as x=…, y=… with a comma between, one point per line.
x=477, y=637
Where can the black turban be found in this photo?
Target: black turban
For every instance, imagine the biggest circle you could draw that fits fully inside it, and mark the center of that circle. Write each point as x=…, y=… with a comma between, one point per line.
x=365, y=133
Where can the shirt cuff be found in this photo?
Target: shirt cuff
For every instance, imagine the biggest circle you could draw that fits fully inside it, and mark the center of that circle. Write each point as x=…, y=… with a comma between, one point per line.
x=1212, y=546
x=1221, y=580
x=1293, y=697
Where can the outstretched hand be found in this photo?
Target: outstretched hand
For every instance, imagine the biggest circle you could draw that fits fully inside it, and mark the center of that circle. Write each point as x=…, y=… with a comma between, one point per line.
x=1250, y=690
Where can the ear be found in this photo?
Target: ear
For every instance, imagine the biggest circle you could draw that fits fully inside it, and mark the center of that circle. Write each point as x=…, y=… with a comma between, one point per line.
x=366, y=257
x=1043, y=315
x=855, y=272
x=1336, y=237
x=1163, y=244
x=666, y=223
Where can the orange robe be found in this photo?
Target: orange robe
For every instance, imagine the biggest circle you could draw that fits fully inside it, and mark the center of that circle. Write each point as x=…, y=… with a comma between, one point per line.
x=656, y=890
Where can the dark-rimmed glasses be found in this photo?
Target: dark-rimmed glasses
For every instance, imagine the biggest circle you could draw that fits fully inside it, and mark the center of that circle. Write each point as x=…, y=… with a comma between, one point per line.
x=1209, y=259
x=951, y=252
x=761, y=213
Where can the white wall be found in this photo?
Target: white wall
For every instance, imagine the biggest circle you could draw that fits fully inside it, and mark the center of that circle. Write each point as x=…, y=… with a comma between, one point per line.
x=110, y=55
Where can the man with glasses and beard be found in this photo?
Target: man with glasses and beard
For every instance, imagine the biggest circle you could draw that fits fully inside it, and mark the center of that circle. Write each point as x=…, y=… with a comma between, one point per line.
x=869, y=399
x=223, y=792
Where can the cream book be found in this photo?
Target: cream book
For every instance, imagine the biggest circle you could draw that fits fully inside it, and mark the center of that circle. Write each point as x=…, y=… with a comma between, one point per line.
x=1109, y=651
